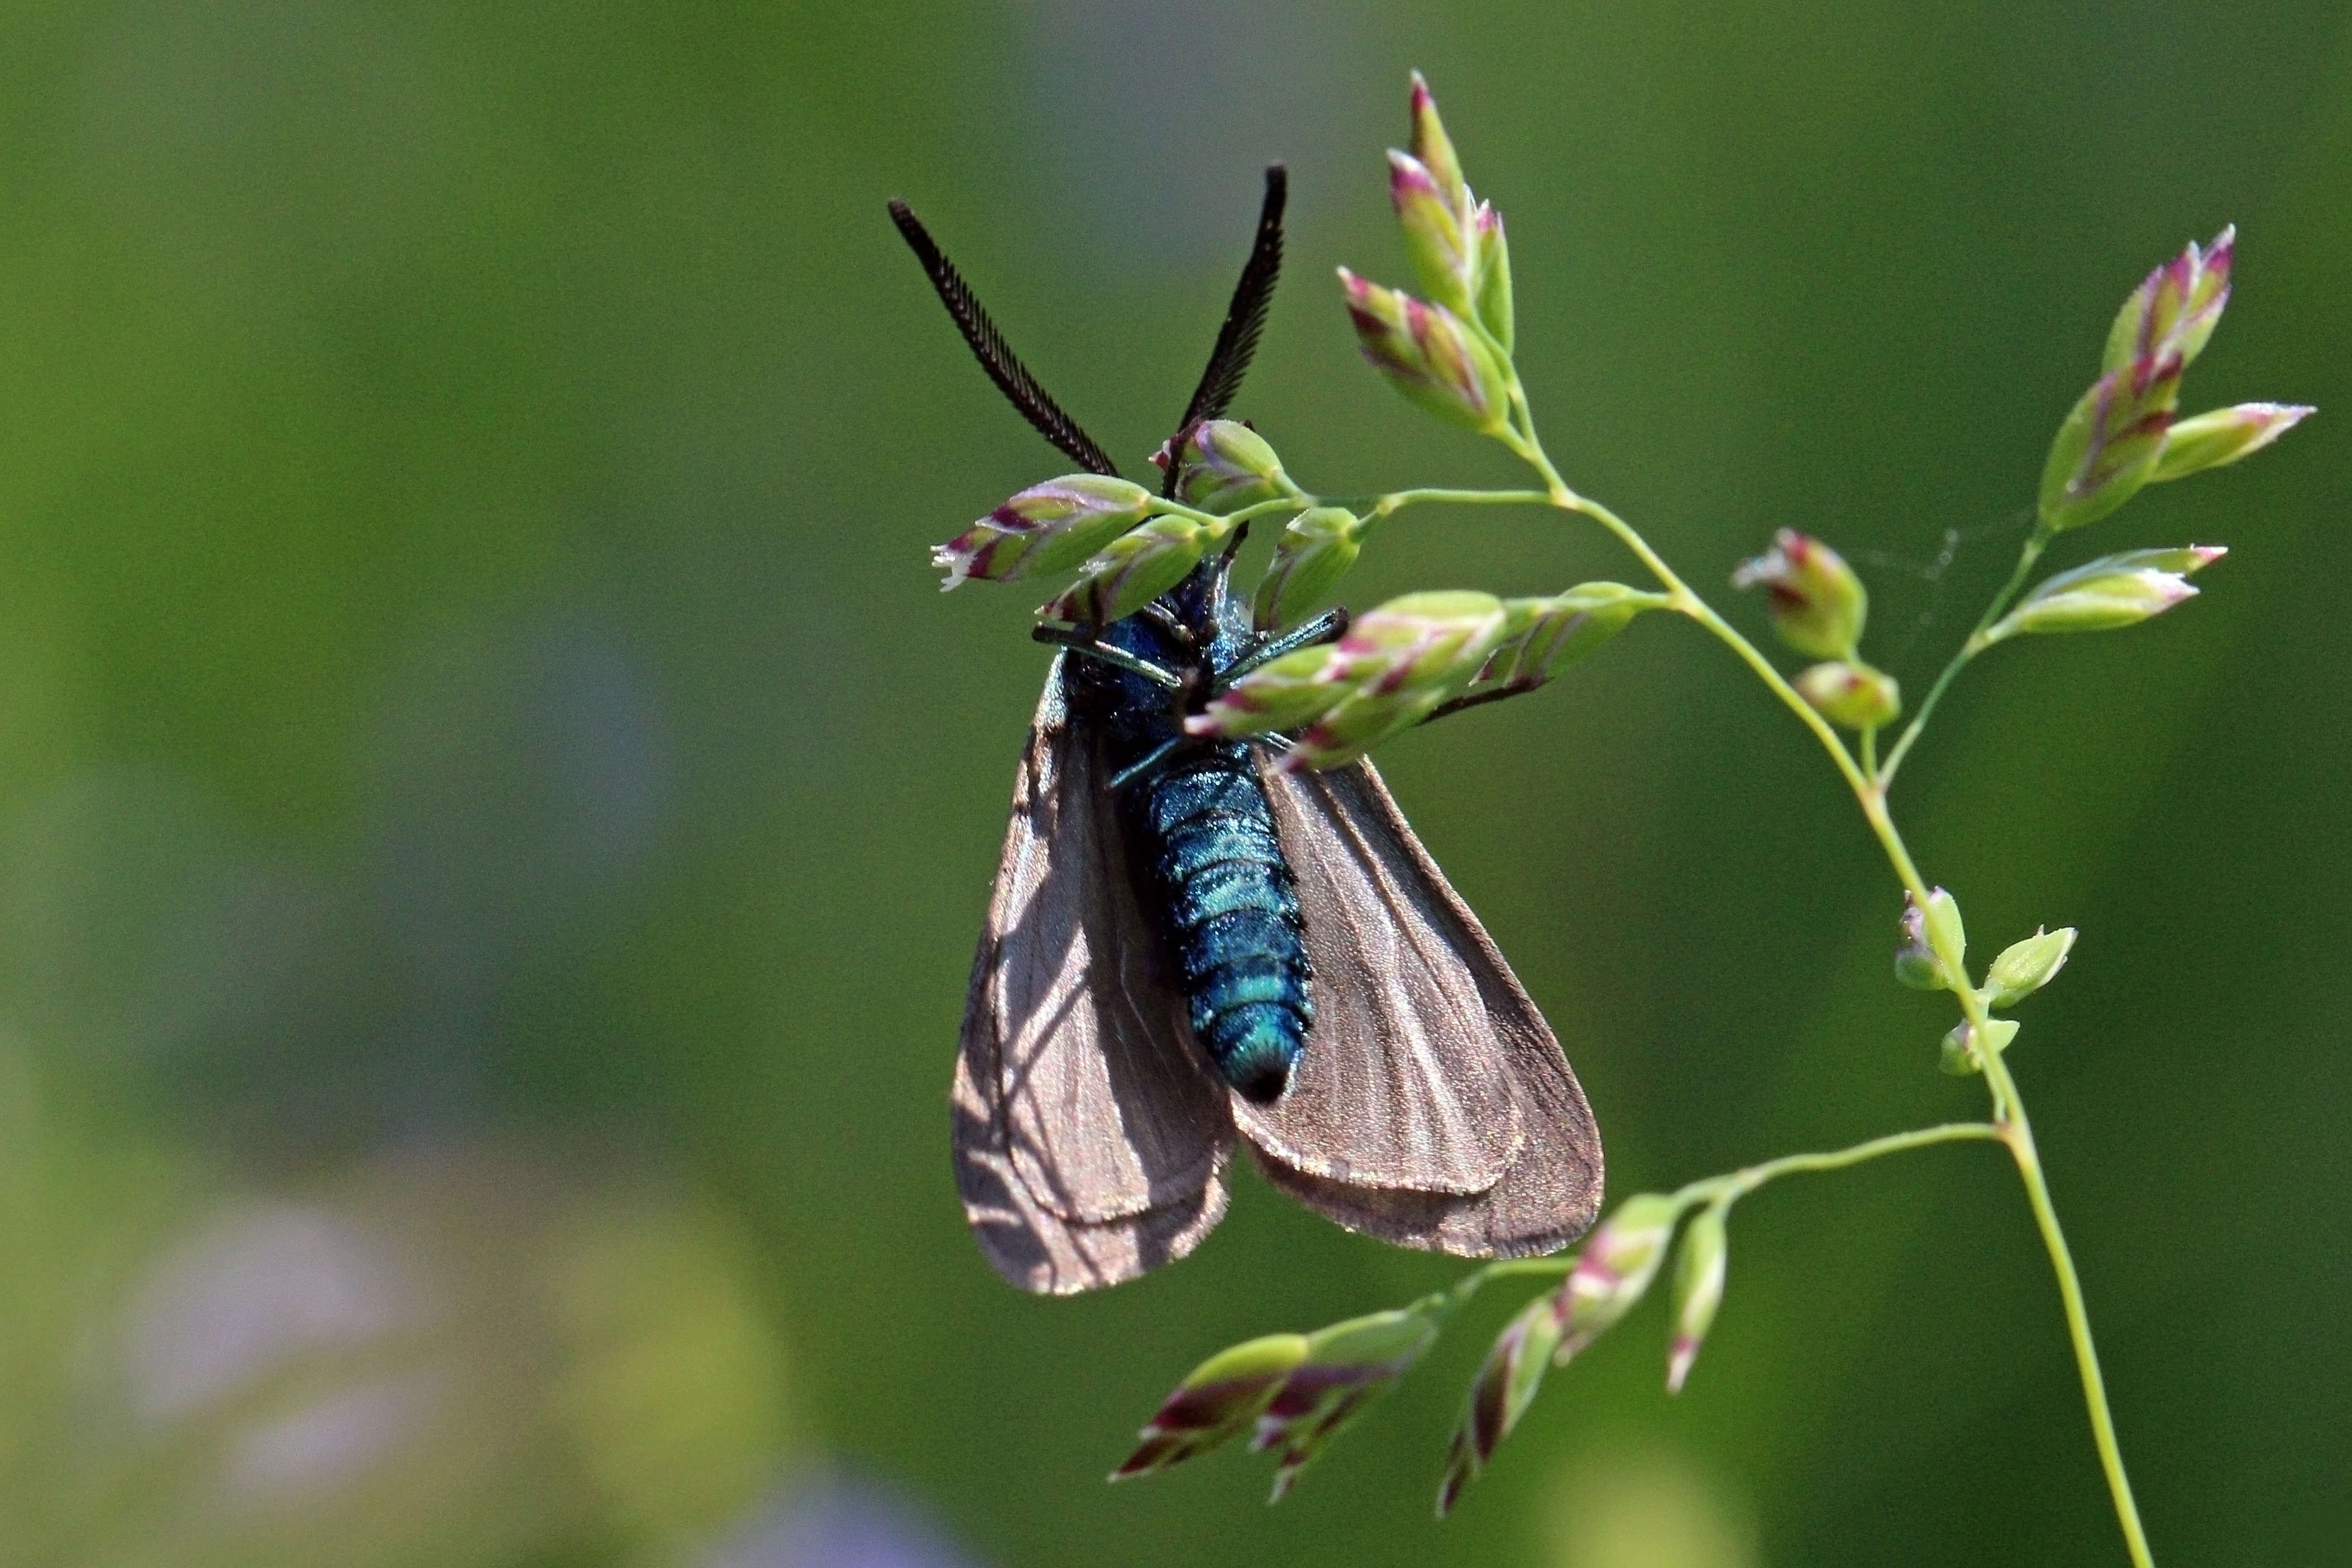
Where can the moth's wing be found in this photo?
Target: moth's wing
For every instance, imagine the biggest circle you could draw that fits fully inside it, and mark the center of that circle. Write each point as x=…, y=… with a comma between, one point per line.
x=1090, y=1139
x=1398, y=1087
x=1427, y=1065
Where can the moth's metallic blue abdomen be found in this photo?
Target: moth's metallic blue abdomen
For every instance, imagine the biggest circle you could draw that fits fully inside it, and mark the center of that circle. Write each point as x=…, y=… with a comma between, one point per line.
x=1230, y=912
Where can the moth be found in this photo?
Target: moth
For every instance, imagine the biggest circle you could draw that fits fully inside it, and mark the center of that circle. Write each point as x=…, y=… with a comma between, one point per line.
x=1187, y=948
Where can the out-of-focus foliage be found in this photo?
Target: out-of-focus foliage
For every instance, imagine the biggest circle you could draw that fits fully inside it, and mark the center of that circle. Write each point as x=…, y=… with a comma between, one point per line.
x=494, y=809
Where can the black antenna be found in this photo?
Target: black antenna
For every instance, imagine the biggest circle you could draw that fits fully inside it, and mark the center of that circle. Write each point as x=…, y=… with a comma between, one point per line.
x=1244, y=317
x=997, y=357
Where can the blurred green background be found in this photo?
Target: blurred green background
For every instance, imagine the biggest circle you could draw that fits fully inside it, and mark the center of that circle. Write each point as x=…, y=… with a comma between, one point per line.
x=494, y=811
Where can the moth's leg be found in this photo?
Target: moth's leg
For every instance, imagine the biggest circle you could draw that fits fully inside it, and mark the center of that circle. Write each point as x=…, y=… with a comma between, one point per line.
x=1281, y=745
x=1084, y=642
x=1328, y=626
x=1129, y=773
x=1183, y=635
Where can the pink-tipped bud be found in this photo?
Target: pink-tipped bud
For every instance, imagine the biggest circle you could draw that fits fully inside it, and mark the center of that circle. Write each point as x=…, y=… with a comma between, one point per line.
x=1438, y=240
x=1429, y=355
x=1394, y=667
x=2224, y=436
x=2110, y=592
x=2110, y=444
x=1277, y=696
x=1818, y=604
x=1850, y=694
x=1698, y=1291
x=1224, y=466
x=1313, y=553
x=1505, y=1385
x=1130, y=572
x=1399, y=664
x=1453, y=239
x=1346, y=1367
x=1434, y=150
x=2110, y=441
x=2174, y=311
x=1044, y=529
x=1217, y=1402
x=1614, y=1271
x=2096, y=604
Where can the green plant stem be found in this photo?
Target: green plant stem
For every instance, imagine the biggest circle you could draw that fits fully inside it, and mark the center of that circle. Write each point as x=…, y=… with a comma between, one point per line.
x=2018, y=1133
x=2035, y=544
x=1554, y=1267
x=2008, y=1109
x=1221, y=523
x=1734, y=1185
x=1870, y=791
x=1393, y=501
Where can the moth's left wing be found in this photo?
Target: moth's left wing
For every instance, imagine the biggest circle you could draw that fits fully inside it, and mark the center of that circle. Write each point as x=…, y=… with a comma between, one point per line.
x=1433, y=1108
x=1090, y=1138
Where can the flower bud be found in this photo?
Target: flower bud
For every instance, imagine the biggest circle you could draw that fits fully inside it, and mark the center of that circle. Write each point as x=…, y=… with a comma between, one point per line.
x=2176, y=307
x=1401, y=661
x=1429, y=355
x=1933, y=954
x=1130, y=572
x=1505, y=1385
x=1224, y=466
x=1393, y=667
x=2027, y=966
x=1948, y=937
x=2110, y=592
x=1418, y=640
x=1960, y=1055
x=1442, y=252
x=1818, y=604
x=1346, y=1367
x=2109, y=443
x=1278, y=695
x=1214, y=1404
x=1914, y=962
x=1850, y=694
x=1492, y=280
x=1614, y=1271
x=1698, y=1291
x=1313, y=553
x=2224, y=436
x=1432, y=148
x=1544, y=636
x=2184, y=559
x=1043, y=529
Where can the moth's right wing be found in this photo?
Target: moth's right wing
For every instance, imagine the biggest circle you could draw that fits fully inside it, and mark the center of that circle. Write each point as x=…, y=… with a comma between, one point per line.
x=1433, y=1108
x=1090, y=1139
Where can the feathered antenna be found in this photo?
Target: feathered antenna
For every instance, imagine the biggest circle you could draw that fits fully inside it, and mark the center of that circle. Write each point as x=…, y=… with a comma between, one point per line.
x=1244, y=317
x=997, y=357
